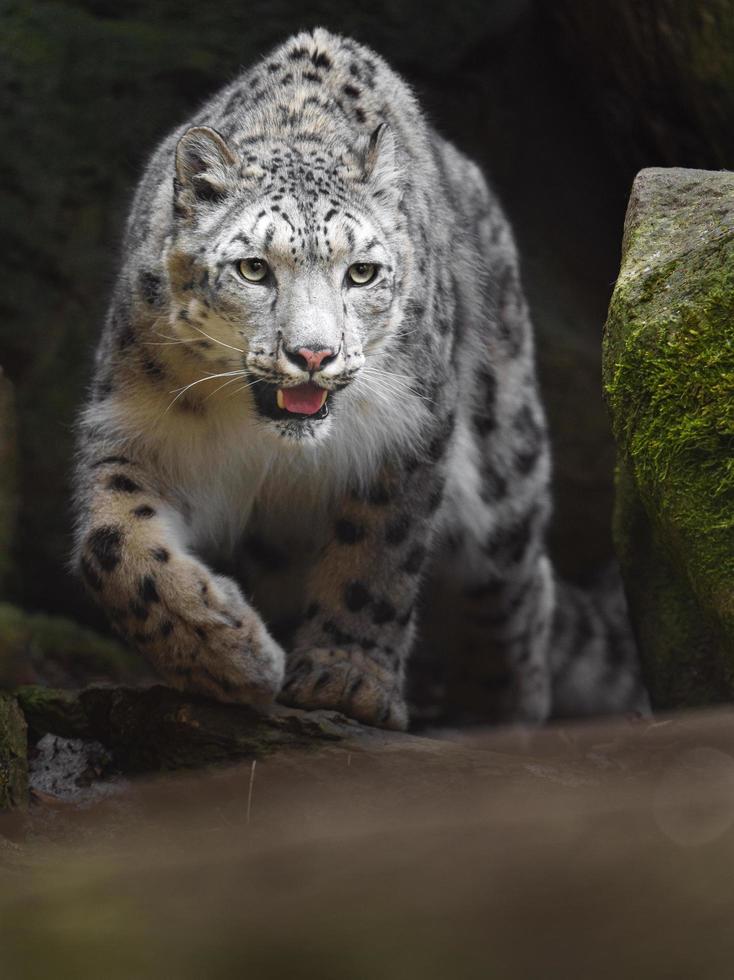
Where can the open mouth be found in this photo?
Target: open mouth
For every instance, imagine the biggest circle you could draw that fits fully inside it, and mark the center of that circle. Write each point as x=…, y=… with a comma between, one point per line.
x=306, y=401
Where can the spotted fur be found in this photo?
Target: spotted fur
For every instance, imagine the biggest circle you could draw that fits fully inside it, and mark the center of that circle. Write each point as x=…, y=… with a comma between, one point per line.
x=428, y=477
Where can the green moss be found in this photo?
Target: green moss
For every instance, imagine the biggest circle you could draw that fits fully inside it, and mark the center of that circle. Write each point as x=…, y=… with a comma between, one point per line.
x=669, y=376
x=35, y=645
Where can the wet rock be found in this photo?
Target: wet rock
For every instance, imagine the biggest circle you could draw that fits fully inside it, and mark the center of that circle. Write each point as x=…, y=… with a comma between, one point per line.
x=669, y=379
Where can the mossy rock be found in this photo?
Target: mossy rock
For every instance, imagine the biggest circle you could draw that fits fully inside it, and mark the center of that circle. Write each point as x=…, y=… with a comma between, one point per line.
x=669, y=380
x=13, y=754
x=54, y=650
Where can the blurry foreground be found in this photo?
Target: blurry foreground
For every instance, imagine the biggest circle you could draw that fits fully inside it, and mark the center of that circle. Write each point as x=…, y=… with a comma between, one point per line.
x=599, y=851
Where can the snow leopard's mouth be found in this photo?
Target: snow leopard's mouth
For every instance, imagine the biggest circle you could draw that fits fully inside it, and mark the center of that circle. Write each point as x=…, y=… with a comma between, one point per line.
x=305, y=401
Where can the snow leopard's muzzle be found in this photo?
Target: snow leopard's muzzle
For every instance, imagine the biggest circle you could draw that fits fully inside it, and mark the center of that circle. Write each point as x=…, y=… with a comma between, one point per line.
x=299, y=384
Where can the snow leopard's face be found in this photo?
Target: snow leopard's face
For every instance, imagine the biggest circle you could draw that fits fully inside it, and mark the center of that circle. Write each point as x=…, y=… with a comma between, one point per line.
x=292, y=280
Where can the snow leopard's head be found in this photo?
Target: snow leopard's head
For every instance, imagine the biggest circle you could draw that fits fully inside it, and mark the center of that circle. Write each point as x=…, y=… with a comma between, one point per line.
x=286, y=268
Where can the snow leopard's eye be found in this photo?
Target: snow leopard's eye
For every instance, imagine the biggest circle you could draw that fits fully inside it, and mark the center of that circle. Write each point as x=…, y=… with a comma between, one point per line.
x=361, y=273
x=253, y=270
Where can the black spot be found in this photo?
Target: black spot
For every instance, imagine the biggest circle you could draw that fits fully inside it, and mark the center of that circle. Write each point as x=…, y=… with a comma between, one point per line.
x=352, y=91
x=122, y=483
x=509, y=543
x=382, y=612
x=138, y=610
x=160, y=554
x=312, y=76
x=147, y=590
x=105, y=543
x=320, y=60
x=125, y=336
x=355, y=686
x=398, y=529
x=150, y=287
x=356, y=596
x=143, y=511
x=90, y=576
x=200, y=632
x=525, y=461
x=413, y=562
x=349, y=533
x=152, y=368
x=337, y=633
x=166, y=627
x=297, y=54
x=494, y=487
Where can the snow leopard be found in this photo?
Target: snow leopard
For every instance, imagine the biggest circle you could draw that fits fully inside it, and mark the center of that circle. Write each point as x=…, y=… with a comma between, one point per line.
x=314, y=437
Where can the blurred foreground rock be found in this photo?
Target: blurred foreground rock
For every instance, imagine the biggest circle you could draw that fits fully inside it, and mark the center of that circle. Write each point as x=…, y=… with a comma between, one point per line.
x=669, y=379
x=599, y=851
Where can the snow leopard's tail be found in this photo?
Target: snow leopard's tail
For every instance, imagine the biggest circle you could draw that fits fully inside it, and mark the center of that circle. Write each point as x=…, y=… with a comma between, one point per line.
x=594, y=659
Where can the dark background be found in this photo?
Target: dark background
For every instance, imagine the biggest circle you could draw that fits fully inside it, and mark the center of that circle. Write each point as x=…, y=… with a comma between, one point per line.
x=560, y=102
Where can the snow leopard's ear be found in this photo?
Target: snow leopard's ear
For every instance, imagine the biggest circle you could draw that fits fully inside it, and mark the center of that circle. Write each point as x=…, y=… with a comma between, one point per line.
x=206, y=169
x=380, y=165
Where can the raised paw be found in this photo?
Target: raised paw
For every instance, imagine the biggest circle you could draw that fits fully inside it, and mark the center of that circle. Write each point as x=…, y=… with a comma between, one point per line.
x=202, y=636
x=349, y=681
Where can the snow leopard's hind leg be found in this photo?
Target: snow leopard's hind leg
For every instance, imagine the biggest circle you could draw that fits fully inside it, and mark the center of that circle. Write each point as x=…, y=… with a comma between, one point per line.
x=496, y=582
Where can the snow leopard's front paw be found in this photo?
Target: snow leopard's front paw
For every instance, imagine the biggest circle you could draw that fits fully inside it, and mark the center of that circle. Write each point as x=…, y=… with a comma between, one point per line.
x=345, y=680
x=202, y=636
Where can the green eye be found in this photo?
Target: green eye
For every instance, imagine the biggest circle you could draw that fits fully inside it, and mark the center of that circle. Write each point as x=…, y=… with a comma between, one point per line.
x=361, y=273
x=253, y=270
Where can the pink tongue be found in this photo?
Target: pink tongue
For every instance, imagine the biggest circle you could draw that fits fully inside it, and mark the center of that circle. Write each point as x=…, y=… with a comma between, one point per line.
x=304, y=399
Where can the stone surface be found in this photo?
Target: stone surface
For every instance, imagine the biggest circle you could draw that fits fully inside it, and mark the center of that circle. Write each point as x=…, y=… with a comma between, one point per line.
x=13, y=754
x=153, y=728
x=669, y=379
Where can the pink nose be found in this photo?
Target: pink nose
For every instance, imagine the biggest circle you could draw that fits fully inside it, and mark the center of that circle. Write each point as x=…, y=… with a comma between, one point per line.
x=314, y=358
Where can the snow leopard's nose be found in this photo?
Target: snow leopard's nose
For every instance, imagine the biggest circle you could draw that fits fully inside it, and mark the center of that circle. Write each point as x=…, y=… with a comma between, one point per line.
x=308, y=359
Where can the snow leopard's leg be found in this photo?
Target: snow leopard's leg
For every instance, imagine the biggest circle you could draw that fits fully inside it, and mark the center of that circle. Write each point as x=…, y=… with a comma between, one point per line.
x=194, y=627
x=350, y=652
x=498, y=500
